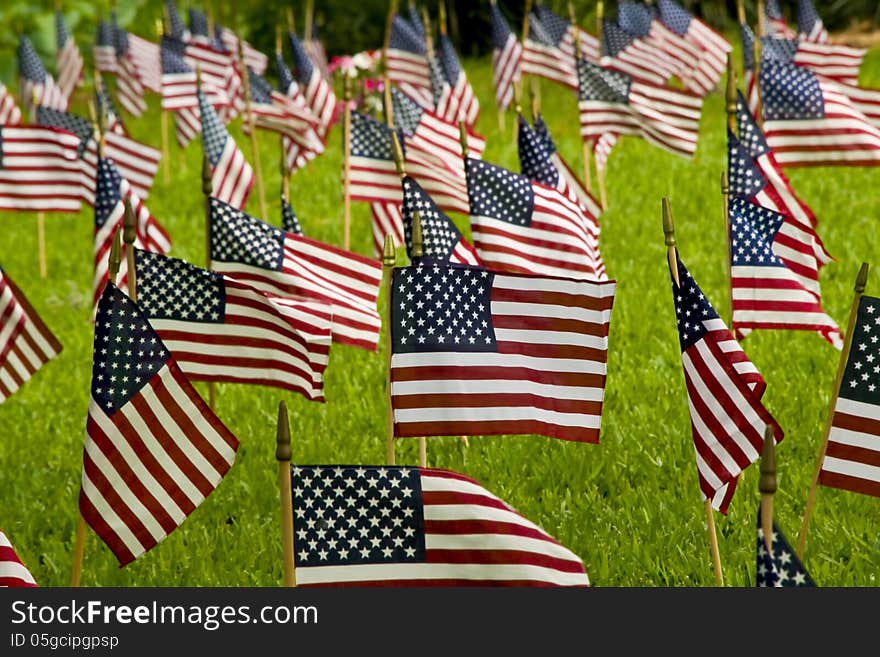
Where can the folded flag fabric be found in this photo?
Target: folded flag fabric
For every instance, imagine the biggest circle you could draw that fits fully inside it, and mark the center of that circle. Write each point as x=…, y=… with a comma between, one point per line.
x=775, y=19
x=406, y=61
x=778, y=567
x=219, y=329
x=68, y=59
x=462, y=102
x=36, y=87
x=317, y=91
x=549, y=47
x=850, y=459
x=296, y=154
x=627, y=54
x=13, y=573
x=26, y=343
x=104, y=51
x=287, y=265
x=477, y=352
x=256, y=60
x=724, y=390
x=289, y=222
x=129, y=87
x=406, y=526
x=231, y=175
x=154, y=450
x=275, y=111
x=810, y=25
x=507, y=53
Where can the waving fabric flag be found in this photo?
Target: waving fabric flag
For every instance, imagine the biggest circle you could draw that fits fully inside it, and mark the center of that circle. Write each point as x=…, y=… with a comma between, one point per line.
x=68, y=59
x=179, y=91
x=463, y=103
x=231, y=175
x=549, y=47
x=406, y=526
x=13, y=573
x=26, y=343
x=713, y=46
x=407, y=62
x=275, y=111
x=602, y=148
x=289, y=222
x=776, y=24
x=218, y=329
x=625, y=53
x=154, y=450
x=523, y=226
x=287, y=265
x=497, y=353
x=129, y=87
x=9, y=112
x=766, y=293
x=104, y=50
x=850, y=460
x=611, y=102
x=780, y=566
x=296, y=155
x=254, y=59
x=36, y=87
x=810, y=26
x=724, y=391
x=178, y=28
x=507, y=54
x=318, y=92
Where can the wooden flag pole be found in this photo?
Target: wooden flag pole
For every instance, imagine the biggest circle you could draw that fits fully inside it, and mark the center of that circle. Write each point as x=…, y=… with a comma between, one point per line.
x=207, y=190
x=585, y=145
x=249, y=117
x=285, y=175
x=725, y=203
x=129, y=232
x=861, y=282
x=388, y=260
x=672, y=261
x=767, y=486
x=283, y=455
x=534, y=98
x=310, y=16
x=346, y=164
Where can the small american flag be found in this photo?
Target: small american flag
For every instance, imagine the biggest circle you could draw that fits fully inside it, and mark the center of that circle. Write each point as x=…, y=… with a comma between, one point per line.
x=13, y=573
x=104, y=51
x=386, y=218
x=633, y=57
x=810, y=121
x=112, y=192
x=779, y=567
x=68, y=59
x=776, y=24
x=610, y=101
x=289, y=222
x=232, y=177
x=129, y=87
x=26, y=343
x=766, y=293
x=407, y=62
x=373, y=175
x=179, y=91
x=39, y=170
x=360, y=525
x=724, y=389
x=507, y=53
x=36, y=87
x=154, y=450
x=549, y=47
x=221, y=330
x=218, y=69
x=523, y=226
x=147, y=60
x=850, y=459
x=287, y=265
x=315, y=48
x=477, y=352
x=810, y=25
x=836, y=62
x=178, y=28
x=106, y=110
x=254, y=59
x=441, y=239
x=297, y=155
x=275, y=111
x=10, y=114
x=462, y=103
x=317, y=91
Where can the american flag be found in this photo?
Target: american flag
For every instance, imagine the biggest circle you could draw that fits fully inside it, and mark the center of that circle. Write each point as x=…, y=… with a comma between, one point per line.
x=766, y=293
x=137, y=162
x=154, y=450
x=287, y=265
x=407, y=62
x=218, y=69
x=296, y=155
x=10, y=114
x=112, y=192
x=850, y=459
x=407, y=526
x=289, y=222
x=68, y=59
x=178, y=28
x=724, y=389
x=316, y=90
x=602, y=148
x=441, y=239
x=147, y=60
x=106, y=110
x=36, y=87
x=198, y=26
x=386, y=218
x=255, y=59
x=104, y=50
x=315, y=48
x=39, y=170
x=219, y=329
x=26, y=343
x=549, y=47
x=714, y=47
x=477, y=352
x=540, y=161
x=231, y=175
x=13, y=573
x=275, y=111
x=129, y=87
x=633, y=57
x=610, y=101
x=507, y=53
x=810, y=25
x=179, y=91
x=837, y=62
x=810, y=121
x=523, y=226
x=462, y=103
x=780, y=566
x=776, y=24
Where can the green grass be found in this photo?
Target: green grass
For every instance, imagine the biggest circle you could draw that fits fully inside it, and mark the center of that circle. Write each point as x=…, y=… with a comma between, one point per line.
x=629, y=507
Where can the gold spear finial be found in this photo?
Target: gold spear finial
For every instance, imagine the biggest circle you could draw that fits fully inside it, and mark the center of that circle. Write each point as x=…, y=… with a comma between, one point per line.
x=669, y=235
x=416, y=235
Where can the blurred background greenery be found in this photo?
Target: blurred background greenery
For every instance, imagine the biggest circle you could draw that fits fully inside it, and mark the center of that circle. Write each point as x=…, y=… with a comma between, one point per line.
x=343, y=29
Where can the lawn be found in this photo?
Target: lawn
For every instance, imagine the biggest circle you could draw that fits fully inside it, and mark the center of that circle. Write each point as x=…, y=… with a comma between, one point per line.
x=629, y=506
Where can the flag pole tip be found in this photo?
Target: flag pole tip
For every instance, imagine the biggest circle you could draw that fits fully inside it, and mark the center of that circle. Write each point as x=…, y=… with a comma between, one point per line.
x=128, y=223
x=767, y=481
x=416, y=235
x=668, y=226
x=862, y=278
x=282, y=436
x=206, y=175
x=388, y=254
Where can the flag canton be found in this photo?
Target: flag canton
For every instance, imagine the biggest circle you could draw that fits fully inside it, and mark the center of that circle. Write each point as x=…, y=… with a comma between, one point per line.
x=120, y=37
x=745, y=178
x=543, y=133
x=773, y=10
x=404, y=37
x=861, y=378
x=127, y=351
x=807, y=16
x=79, y=126
x=674, y=16
x=790, y=93
x=289, y=222
x=614, y=39
x=597, y=83
x=500, y=28
x=285, y=77
x=238, y=237
x=438, y=82
x=104, y=35
x=635, y=18
x=61, y=32
x=415, y=20
x=498, y=193
x=370, y=138
x=439, y=234
x=29, y=65
x=782, y=568
x=261, y=90
x=533, y=159
x=169, y=288
x=437, y=307
x=107, y=194
x=349, y=515
x=198, y=22
x=172, y=57
x=752, y=231
x=555, y=26
x=407, y=113
x=176, y=22
x=302, y=64
x=448, y=59
x=214, y=133
x=692, y=309
x=750, y=135
x=778, y=50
